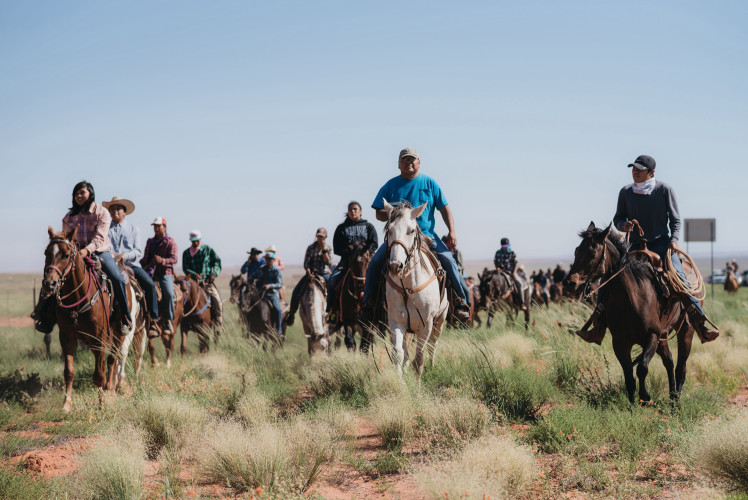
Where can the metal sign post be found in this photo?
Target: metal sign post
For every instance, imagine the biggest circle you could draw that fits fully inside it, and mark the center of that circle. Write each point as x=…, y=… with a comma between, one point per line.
x=702, y=230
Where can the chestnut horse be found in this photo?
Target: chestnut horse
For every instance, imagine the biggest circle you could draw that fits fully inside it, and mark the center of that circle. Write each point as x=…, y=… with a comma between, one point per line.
x=196, y=314
x=85, y=311
x=636, y=313
x=168, y=340
x=351, y=293
x=731, y=282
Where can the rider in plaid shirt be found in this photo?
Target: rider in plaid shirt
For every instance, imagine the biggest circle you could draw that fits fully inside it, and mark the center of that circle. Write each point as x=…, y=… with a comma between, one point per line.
x=316, y=263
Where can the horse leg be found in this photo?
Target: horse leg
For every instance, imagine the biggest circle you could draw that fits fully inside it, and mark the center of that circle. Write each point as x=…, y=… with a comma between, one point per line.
x=623, y=353
x=436, y=331
x=406, y=348
x=183, y=345
x=350, y=339
x=203, y=337
x=489, y=315
x=48, y=344
x=140, y=344
x=68, y=345
x=398, y=355
x=643, y=369
x=152, y=353
x=168, y=341
x=421, y=340
x=667, y=360
x=685, y=338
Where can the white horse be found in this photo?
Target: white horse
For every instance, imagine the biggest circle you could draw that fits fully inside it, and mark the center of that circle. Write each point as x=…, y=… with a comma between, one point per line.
x=414, y=303
x=136, y=332
x=312, y=312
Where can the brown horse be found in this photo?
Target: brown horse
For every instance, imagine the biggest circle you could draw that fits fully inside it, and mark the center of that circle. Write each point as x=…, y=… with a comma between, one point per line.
x=539, y=296
x=731, y=282
x=196, y=314
x=636, y=313
x=498, y=293
x=84, y=311
x=351, y=293
x=255, y=311
x=168, y=340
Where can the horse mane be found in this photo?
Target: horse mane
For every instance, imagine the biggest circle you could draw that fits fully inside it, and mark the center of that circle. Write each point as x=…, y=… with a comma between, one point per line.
x=398, y=210
x=641, y=269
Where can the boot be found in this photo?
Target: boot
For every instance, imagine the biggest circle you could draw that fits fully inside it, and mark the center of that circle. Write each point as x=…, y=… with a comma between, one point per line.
x=698, y=321
x=289, y=318
x=366, y=318
x=154, y=331
x=44, y=315
x=461, y=310
x=599, y=326
x=169, y=328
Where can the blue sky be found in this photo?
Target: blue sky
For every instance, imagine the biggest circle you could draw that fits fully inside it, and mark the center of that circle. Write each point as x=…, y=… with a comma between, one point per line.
x=257, y=122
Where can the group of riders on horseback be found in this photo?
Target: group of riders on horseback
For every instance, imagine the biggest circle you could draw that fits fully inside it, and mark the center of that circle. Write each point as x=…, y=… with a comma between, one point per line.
x=103, y=234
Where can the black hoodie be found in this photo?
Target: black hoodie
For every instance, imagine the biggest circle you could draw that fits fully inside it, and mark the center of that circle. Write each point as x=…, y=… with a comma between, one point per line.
x=350, y=232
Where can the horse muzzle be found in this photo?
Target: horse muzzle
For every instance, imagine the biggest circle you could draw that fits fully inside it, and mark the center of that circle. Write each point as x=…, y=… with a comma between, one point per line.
x=572, y=284
x=397, y=268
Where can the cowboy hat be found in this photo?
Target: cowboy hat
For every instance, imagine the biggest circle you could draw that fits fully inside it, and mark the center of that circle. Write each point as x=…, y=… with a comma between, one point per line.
x=129, y=206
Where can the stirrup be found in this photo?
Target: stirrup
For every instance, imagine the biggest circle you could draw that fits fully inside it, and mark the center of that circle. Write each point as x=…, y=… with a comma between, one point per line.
x=698, y=321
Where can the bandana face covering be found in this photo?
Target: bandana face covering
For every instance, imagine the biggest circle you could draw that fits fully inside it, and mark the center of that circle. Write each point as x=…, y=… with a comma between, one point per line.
x=645, y=187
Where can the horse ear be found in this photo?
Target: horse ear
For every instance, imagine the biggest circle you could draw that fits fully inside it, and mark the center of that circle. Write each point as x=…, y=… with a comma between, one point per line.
x=70, y=236
x=607, y=230
x=418, y=211
x=51, y=232
x=387, y=207
x=591, y=226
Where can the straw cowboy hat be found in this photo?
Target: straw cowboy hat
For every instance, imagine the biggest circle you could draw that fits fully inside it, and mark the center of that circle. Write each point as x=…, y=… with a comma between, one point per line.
x=129, y=206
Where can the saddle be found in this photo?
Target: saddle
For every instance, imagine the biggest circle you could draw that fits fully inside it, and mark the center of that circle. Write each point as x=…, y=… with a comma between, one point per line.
x=177, y=292
x=661, y=280
x=320, y=283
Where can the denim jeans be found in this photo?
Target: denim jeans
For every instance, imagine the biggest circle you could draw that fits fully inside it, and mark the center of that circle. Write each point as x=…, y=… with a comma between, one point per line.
x=278, y=310
x=146, y=283
x=167, y=289
x=118, y=283
x=445, y=258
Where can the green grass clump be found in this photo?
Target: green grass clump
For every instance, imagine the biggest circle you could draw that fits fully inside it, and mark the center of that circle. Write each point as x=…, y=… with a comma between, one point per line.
x=21, y=485
x=721, y=449
x=12, y=445
x=389, y=462
x=451, y=422
x=113, y=470
x=394, y=420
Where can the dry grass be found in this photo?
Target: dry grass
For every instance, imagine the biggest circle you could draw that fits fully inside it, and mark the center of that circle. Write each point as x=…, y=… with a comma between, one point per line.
x=495, y=467
x=721, y=449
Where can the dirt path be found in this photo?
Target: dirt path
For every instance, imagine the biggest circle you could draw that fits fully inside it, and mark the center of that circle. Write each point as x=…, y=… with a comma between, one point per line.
x=342, y=480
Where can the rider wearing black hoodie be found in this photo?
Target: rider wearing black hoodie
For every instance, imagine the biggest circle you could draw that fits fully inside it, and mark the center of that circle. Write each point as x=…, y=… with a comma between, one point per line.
x=352, y=230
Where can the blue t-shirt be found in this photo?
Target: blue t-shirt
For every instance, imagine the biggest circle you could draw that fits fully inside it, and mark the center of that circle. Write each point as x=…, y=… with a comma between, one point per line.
x=422, y=189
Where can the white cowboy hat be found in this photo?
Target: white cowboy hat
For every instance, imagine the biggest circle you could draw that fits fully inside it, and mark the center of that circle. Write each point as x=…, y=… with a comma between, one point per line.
x=129, y=206
x=272, y=248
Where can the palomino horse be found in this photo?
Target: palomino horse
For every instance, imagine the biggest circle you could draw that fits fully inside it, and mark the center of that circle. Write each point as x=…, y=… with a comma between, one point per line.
x=636, y=313
x=498, y=293
x=414, y=300
x=168, y=340
x=84, y=310
x=731, y=282
x=255, y=312
x=312, y=311
x=351, y=293
x=196, y=314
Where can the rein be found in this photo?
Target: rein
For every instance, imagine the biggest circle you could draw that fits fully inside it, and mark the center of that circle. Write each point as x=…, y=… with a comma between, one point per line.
x=187, y=296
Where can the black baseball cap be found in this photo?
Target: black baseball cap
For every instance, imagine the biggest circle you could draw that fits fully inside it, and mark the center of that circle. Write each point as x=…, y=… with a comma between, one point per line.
x=504, y=241
x=643, y=162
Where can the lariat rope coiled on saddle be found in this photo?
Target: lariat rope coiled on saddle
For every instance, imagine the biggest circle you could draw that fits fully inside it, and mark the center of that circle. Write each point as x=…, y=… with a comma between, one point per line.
x=681, y=284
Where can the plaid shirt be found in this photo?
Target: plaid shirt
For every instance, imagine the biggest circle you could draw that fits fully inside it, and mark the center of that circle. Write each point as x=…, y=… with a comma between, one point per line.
x=314, y=259
x=505, y=260
x=93, y=228
x=166, y=248
x=205, y=262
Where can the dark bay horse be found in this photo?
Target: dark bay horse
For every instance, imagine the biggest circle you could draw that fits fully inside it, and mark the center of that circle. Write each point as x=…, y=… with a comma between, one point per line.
x=636, y=313
x=496, y=294
x=196, y=315
x=255, y=311
x=84, y=311
x=351, y=293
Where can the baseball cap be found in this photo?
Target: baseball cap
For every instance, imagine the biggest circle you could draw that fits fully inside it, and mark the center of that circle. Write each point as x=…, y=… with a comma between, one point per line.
x=195, y=235
x=322, y=232
x=408, y=152
x=270, y=255
x=158, y=221
x=644, y=162
x=504, y=242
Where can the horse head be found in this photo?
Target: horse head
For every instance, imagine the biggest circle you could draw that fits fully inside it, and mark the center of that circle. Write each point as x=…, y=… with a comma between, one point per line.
x=589, y=258
x=402, y=234
x=60, y=257
x=358, y=263
x=235, y=285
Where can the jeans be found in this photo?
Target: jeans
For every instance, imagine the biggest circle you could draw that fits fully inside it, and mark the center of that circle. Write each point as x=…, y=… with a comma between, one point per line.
x=146, y=283
x=278, y=310
x=118, y=283
x=445, y=258
x=167, y=289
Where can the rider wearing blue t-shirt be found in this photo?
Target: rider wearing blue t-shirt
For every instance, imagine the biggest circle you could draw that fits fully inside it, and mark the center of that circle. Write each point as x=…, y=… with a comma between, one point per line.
x=417, y=189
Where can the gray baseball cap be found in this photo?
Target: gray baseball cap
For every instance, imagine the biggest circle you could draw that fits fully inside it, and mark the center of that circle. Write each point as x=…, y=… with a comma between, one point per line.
x=408, y=152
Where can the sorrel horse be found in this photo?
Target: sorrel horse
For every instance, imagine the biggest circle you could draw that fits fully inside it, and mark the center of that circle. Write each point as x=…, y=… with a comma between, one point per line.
x=415, y=304
x=731, y=282
x=196, y=314
x=85, y=311
x=254, y=310
x=636, y=313
x=168, y=340
x=312, y=311
x=351, y=293
x=498, y=293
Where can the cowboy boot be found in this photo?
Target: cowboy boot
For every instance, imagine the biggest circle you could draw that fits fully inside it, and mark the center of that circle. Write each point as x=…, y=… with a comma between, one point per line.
x=462, y=310
x=698, y=321
x=153, y=330
x=44, y=315
x=289, y=317
x=599, y=326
